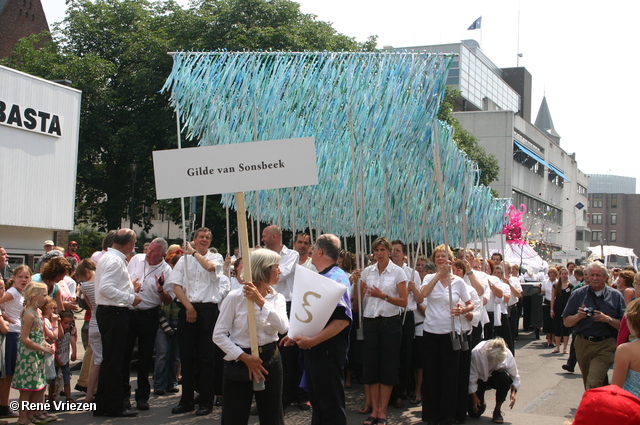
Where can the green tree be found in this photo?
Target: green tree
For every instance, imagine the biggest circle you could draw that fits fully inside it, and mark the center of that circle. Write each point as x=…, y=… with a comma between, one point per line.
x=467, y=142
x=115, y=51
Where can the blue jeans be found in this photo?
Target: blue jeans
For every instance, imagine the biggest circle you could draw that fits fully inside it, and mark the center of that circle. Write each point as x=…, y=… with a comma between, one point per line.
x=167, y=359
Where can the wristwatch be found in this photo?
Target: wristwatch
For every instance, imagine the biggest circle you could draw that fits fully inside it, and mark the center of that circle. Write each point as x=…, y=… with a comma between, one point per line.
x=386, y=297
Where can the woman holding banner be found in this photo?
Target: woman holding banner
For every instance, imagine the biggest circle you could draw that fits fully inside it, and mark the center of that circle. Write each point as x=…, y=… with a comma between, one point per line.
x=445, y=294
x=384, y=294
x=232, y=336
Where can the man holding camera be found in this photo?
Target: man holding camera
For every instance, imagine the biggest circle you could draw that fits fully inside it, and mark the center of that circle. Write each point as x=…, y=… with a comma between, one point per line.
x=595, y=311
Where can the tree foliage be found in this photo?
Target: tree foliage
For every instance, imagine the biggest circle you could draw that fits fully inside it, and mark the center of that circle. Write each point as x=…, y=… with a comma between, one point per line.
x=467, y=142
x=115, y=51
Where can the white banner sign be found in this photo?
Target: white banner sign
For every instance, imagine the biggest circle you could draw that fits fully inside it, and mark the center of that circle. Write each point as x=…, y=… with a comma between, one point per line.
x=496, y=242
x=238, y=167
x=566, y=254
x=314, y=299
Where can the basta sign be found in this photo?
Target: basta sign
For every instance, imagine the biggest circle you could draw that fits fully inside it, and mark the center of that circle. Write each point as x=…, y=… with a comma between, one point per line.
x=26, y=118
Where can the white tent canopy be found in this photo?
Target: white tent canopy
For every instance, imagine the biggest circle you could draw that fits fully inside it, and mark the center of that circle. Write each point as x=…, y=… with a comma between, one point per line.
x=524, y=256
x=607, y=250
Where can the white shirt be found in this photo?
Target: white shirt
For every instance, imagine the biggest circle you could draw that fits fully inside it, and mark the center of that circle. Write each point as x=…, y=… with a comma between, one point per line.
x=476, y=313
x=483, y=278
x=146, y=275
x=13, y=308
x=288, y=261
x=231, y=333
x=482, y=370
x=96, y=256
x=234, y=284
x=113, y=284
x=388, y=282
x=438, y=314
x=495, y=303
x=515, y=282
x=547, y=288
x=309, y=265
x=71, y=286
x=411, y=276
x=203, y=286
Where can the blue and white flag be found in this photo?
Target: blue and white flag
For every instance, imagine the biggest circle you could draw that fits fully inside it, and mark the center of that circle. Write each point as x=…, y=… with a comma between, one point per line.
x=476, y=24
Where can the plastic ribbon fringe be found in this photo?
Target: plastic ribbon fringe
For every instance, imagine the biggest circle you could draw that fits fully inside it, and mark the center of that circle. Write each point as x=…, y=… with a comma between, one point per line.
x=389, y=99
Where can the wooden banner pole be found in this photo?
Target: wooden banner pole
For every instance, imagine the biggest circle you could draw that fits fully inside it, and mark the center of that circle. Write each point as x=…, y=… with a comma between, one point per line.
x=246, y=259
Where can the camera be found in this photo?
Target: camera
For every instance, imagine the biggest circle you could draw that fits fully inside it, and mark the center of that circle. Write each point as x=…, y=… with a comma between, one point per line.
x=165, y=326
x=589, y=311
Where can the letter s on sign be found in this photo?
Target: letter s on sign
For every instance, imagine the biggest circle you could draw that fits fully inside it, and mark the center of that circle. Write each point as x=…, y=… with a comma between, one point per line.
x=305, y=304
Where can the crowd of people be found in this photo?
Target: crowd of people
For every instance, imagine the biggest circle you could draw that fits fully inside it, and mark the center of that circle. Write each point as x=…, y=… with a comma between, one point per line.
x=438, y=332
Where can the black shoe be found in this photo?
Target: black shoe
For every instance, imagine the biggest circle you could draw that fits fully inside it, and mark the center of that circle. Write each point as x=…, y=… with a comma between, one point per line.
x=126, y=413
x=304, y=406
x=173, y=390
x=158, y=392
x=218, y=400
x=80, y=388
x=142, y=404
x=203, y=411
x=127, y=403
x=497, y=417
x=7, y=412
x=568, y=368
x=181, y=408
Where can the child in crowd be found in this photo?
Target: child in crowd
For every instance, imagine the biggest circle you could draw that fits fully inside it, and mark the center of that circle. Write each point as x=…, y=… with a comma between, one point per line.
x=29, y=377
x=51, y=332
x=11, y=302
x=626, y=369
x=66, y=342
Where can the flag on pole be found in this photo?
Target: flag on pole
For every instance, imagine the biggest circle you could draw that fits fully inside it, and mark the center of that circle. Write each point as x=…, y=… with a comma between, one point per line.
x=476, y=24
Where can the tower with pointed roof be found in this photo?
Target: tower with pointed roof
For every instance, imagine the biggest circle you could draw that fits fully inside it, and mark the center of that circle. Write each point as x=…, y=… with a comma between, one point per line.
x=545, y=123
x=19, y=19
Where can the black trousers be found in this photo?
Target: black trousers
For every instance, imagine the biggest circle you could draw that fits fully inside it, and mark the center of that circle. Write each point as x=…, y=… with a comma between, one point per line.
x=291, y=372
x=406, y=347
x=440, y=378
x=464, y=370
x=324, y=371
x=499, y=381
x=113, y=323
x=237, y=396
x=197, y=353
x=143, y=327
x=503, y=331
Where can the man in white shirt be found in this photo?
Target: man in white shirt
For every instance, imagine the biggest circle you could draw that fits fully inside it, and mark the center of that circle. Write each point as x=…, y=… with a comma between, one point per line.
x=292, y=373
x=115, y=295
x=492, y=366
x=302, y=245
x=195, y=280
x=150, y=270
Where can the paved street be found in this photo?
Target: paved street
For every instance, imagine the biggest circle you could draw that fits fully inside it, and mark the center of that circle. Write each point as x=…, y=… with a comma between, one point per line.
x=548, y=396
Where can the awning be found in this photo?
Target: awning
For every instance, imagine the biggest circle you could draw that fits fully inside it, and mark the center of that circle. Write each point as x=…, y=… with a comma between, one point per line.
x=558, y=172
x=540, y=160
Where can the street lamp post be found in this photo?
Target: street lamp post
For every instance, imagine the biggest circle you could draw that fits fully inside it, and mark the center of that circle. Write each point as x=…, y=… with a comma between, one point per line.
x=134, y=168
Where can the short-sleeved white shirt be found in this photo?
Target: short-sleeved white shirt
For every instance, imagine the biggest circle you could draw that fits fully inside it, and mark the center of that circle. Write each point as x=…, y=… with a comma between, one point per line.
x=388, y=282
x=438, y=314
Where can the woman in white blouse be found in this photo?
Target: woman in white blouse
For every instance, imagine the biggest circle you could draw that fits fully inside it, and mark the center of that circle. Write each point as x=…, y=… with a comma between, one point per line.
x=384, y=295
x=440, y=365
x=547, y=292
x=232, y=336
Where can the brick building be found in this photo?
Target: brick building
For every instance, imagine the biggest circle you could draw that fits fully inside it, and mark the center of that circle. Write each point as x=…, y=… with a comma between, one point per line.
x=19, y=19
x=614, y=219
